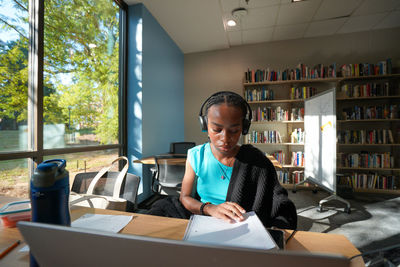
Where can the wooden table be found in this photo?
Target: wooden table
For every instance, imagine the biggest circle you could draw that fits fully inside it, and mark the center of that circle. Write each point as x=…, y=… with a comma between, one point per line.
x=170, y=228
x=176, y=159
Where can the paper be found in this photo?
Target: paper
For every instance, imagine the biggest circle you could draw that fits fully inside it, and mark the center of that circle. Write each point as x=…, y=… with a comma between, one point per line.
x=24, y=249
x=102, y=222
x=249, y=233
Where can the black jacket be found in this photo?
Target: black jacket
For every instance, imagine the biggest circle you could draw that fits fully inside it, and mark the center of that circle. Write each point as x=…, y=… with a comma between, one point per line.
x=255, y=186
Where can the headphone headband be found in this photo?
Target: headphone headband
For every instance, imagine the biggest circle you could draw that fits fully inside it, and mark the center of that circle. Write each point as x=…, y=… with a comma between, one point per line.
x=246, y=121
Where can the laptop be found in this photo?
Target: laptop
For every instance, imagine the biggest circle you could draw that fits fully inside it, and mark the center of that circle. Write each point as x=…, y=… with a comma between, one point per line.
x=54, y=245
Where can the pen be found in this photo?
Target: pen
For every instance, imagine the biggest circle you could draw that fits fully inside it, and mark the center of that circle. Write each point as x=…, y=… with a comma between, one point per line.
x=8, y=250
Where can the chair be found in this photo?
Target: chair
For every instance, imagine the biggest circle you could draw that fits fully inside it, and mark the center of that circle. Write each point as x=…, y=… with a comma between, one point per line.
x=168, y=174
x=181, y=147
x=105, y=186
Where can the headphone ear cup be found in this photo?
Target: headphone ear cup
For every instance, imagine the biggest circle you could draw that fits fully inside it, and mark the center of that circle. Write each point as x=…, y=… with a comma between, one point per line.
x=203, y=123
x=246, y=126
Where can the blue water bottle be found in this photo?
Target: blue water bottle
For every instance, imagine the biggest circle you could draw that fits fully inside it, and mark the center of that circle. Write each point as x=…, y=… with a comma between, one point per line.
x=49, y=193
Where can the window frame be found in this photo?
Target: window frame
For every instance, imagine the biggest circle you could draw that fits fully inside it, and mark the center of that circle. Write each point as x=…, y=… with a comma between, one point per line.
x=35, y=151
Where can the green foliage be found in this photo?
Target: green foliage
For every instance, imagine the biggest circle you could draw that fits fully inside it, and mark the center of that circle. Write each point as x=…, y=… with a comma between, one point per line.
x=14, y=80
x=81, y=57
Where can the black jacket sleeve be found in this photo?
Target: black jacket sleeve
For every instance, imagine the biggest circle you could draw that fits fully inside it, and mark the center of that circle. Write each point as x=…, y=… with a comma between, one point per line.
x=254, y=186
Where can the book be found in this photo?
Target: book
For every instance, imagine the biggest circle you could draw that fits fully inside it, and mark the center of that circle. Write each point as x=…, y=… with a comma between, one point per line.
x=249, y=233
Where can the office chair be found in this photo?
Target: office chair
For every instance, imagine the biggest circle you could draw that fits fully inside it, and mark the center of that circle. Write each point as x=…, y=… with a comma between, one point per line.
x=181, y=147
x=168, y=174
x=105, y=186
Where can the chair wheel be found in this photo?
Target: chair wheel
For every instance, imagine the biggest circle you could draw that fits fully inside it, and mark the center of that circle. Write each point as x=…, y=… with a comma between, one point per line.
x=315, y=191
x=347, y=210
x=294, y=191
x=320, y=209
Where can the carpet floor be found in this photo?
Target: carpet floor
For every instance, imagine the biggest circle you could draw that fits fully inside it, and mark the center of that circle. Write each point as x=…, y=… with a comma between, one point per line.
x=373, y=224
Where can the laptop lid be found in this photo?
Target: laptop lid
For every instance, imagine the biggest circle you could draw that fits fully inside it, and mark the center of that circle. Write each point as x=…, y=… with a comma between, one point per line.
x=54, y=245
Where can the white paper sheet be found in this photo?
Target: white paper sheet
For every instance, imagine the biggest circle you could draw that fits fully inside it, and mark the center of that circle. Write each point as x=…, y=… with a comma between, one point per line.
x=249, y=233
x=101, y=222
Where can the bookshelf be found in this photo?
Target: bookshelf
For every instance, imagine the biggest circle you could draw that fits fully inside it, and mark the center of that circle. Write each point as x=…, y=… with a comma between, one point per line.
x=285, y=115
x=368, y=112
x=268, y=98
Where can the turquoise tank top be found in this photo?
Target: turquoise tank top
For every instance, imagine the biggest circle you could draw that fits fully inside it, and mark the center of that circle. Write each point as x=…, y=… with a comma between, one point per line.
x=213, y=177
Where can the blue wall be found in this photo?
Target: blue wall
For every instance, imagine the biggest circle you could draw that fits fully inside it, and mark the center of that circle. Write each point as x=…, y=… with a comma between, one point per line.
x=155, y=92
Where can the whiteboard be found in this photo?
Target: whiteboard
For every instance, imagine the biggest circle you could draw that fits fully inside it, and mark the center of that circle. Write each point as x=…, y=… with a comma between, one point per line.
x=320, y=140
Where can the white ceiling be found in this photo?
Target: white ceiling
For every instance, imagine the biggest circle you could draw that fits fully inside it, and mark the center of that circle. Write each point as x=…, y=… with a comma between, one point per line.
x=200, y=25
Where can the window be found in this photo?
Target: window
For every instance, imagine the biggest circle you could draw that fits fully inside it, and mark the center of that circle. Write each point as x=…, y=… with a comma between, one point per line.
x=80, y=73
x=87, y=161
x=14, y=36
x=68, y=104
x=14, y=177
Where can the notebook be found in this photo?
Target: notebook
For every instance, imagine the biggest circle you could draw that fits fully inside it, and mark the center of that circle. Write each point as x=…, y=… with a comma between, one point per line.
x=249, y=233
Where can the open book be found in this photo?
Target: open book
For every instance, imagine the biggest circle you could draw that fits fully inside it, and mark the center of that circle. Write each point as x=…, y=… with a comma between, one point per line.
x=249, y=233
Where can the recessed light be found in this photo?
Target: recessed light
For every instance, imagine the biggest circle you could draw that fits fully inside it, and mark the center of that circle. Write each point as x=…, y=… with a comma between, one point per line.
x=231, y=23
x=293, y=1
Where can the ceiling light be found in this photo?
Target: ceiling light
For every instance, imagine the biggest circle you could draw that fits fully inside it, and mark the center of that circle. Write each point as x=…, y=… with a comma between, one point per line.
x=237, y=15
x=293, y=1
x=231, y=23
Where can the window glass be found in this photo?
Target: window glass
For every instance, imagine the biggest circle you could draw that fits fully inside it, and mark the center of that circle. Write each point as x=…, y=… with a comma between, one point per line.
x=14, y=34
x=91, y=161
x=81, y=54
x=14, y=178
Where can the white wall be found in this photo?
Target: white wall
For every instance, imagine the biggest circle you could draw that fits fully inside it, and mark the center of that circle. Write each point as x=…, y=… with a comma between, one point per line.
x=208, y=72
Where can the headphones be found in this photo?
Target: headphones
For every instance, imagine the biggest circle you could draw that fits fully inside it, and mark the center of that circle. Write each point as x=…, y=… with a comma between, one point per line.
x=246, y=121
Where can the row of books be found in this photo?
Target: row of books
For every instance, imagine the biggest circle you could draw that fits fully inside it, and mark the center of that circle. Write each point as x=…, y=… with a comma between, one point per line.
x=297, y=159
x=371, y=181
x=297, y=114
x=283, y=177
x=266, y=137
x=304, y=72
x=297, y=136
x=381, y=136
x=301, y=72
x=290, y=178
x=366, y=90
x=365, y=69
x=302, y=92
x=371, y=112
x=277, y=114
x=297, y=177
x=279, y=156
x=263, y=94
x=258, y=94
x=270, y=114
x=366, y=160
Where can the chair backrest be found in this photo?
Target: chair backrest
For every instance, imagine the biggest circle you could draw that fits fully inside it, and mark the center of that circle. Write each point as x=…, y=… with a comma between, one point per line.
x=181, y=147
x=169, y=171
x=105, y=186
